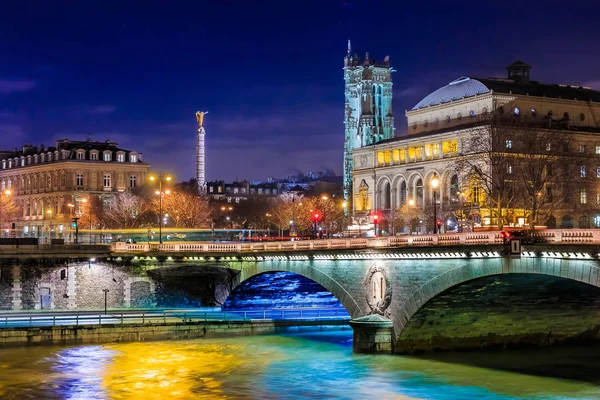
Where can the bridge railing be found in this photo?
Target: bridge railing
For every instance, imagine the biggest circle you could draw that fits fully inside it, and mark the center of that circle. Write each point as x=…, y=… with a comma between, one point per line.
x=551, y=236
x=86, y=318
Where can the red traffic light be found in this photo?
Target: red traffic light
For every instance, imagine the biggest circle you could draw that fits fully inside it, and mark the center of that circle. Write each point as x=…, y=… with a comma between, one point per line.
x=375, y=218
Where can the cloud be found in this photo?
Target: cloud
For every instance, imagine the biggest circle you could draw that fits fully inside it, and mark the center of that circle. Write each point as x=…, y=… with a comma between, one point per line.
x=102, y=109
x=13, y=135
x=14, y=86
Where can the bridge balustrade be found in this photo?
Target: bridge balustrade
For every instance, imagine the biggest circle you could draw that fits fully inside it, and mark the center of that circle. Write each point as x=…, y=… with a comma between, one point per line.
x=550, y=236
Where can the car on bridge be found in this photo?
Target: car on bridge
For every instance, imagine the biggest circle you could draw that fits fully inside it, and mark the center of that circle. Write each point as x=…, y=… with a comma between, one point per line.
x=523, y=235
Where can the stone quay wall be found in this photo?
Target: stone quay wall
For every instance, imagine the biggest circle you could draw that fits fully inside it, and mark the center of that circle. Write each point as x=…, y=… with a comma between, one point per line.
x=110, y=333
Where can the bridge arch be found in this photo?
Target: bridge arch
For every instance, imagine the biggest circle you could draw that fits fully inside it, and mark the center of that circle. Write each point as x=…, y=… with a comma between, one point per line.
x=315, y=274
x=578, y=271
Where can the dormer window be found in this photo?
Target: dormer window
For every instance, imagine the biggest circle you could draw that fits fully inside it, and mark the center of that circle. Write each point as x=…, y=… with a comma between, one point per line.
x=3, y=164
x=133, y=158
x=107, y=156
x=22, y=161
x=121, y=156
x=28, y=160
x=81, y=154
x=63, y=154
x=94, y=155
x=35, y=159
x=43, y=157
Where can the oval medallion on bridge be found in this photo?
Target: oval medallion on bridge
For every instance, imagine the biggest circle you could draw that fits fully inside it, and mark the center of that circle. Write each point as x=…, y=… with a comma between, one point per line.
x=378, y=290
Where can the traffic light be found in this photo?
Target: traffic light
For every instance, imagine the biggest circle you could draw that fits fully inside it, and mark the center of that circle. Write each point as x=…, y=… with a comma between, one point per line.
x=375, y=218
x=316, y=217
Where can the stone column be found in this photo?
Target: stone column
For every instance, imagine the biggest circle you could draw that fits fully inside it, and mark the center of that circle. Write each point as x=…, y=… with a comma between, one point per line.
x=372, y=334
x=16, y=288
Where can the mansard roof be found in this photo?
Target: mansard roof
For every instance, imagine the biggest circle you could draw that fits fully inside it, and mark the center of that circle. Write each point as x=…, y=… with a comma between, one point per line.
x=465, y=87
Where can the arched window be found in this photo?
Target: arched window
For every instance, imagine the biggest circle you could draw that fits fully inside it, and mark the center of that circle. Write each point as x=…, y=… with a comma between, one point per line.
x=403, y=193
x=567, y=222
x=551, y=222
x=584, y=222
x=454, y=188
x=386, y=200
x=419, y=192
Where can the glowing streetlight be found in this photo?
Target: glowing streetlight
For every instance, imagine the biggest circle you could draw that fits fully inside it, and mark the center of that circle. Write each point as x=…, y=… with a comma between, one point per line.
x=411, y=202
x=160, y=178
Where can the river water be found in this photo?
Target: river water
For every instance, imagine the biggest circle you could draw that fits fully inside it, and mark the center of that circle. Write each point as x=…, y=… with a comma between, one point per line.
x=317, y=365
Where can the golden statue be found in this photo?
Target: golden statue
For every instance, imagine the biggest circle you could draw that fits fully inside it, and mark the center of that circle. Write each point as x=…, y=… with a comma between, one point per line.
x=200, y=117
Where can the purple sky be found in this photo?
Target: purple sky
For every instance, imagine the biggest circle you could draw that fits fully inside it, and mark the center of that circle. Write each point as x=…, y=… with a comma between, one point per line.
x=269, y=72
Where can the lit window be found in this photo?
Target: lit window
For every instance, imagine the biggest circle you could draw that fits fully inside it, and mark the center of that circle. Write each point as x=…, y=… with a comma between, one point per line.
x=597, y=149
x=509, y=144
x=106, y=156
x=533, y=112
x=582, y=148
x=582, y=171
x=132, y=158
x=476, y=194
x=583, y=196
x=94, y=156
x=107, y=181
x=472, y=113
x=598, y=173
x=548, y=147
x=22, y=162
x=120, y=157
x=79, y=179
x=132, y=181
x=509, y=169
x=80, y=155
x=516, y=111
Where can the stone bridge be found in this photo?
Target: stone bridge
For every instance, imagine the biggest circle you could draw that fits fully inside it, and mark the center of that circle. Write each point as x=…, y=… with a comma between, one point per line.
x=381, y=286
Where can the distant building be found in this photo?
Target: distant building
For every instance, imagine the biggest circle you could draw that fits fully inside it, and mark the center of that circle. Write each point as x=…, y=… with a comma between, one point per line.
x=49, y=183
x=238, y=191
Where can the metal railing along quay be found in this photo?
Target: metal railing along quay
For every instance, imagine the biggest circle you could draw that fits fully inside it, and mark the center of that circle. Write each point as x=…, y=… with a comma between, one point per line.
x=172, y=316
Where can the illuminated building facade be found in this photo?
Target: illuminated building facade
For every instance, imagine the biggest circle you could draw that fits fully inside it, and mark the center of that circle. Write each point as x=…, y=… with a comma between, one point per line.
x=368, y=107
x=44, y=180
x=393, y=173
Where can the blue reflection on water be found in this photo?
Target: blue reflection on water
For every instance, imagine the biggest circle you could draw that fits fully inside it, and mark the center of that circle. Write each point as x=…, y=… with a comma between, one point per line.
x=80, y=372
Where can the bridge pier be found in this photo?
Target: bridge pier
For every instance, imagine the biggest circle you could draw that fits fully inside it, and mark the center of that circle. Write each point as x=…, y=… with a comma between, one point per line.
x=372, y=334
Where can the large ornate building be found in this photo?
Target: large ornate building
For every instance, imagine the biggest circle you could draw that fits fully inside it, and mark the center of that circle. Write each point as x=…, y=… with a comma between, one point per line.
x=368, y=110
x=391, y=173
x=49, y=183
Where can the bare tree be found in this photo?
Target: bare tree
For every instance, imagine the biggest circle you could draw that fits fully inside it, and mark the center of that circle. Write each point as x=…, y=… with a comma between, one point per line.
x=186, y=209
x=488, y=164
x=544, y=170
x=9, y=210
x=125, y=210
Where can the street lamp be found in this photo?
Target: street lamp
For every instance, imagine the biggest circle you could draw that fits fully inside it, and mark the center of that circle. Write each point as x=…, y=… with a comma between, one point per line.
x=49, y=212
x=160, y=178
x=435, y=182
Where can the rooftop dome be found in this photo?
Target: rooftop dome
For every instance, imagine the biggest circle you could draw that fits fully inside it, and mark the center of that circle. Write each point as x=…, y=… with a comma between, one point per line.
x=455, y=90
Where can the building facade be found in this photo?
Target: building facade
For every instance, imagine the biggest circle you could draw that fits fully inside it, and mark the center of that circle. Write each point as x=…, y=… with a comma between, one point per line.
x=368, y=115
x=396, y=172
x=49, y=183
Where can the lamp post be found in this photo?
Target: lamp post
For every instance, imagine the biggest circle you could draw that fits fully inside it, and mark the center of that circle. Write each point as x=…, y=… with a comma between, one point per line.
x=105, y=299
x=49, y=212
x=435, y=182
x=3, y=193
x=160, y=178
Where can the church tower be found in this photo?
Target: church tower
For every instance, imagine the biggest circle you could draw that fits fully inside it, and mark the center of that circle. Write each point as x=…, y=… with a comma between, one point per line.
x=368, y=109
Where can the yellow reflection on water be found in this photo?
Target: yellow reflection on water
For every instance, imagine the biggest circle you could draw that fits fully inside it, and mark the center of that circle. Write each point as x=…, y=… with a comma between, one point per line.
x=175, y=370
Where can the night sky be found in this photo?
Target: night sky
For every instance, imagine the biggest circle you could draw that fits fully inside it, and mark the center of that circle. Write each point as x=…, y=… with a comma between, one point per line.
x=269, y=72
